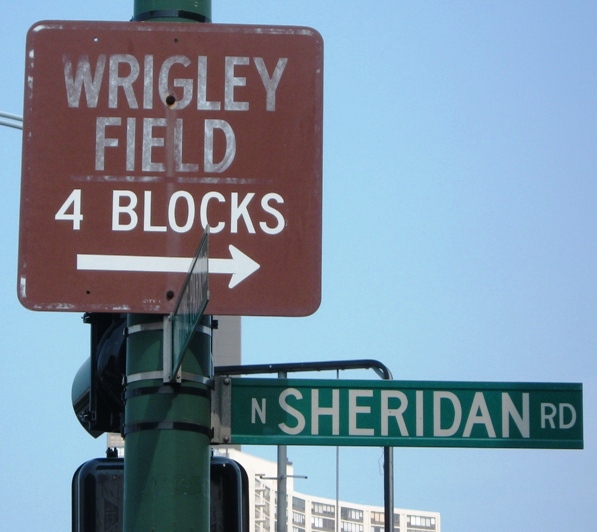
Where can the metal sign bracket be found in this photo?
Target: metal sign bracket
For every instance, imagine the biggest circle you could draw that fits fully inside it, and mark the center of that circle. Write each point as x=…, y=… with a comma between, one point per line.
x=168, y=375
x=221, y=407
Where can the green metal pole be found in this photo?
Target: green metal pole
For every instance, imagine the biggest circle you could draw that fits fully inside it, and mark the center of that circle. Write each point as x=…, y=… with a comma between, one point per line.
x=166, y=426
x=178, y=10
x=167, y=440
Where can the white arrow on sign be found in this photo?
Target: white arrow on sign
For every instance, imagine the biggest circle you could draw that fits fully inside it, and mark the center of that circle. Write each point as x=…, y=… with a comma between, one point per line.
x=240, y=265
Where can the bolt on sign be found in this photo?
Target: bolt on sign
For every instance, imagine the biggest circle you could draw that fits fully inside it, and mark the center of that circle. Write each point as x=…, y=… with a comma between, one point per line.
x=138, y=136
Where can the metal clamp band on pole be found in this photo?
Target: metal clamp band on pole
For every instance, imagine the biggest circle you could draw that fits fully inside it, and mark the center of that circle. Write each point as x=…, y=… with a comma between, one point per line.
x=144, y=376
x=151, y=375
x=167, y=425
x=170, y=13
x=204, y=329
x=166, y=389
x=143, y=327
x=193, y=377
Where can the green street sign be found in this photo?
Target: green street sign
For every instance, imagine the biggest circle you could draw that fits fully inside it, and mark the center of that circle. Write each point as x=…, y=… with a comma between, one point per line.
x=405, y=413
x=191, y=303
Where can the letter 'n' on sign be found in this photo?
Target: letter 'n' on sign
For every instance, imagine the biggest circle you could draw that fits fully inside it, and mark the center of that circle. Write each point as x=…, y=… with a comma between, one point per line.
x=258, y=409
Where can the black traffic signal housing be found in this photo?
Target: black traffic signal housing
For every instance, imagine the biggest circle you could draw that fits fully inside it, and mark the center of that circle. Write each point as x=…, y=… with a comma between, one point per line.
x=229, y=496
x=97, y=392
x=98, y=494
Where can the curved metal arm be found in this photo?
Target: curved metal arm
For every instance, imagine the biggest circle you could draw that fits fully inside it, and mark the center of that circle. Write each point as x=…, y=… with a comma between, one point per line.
x=292, y=367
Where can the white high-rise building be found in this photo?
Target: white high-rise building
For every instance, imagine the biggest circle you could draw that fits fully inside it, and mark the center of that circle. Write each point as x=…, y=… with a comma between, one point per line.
x=308, y=513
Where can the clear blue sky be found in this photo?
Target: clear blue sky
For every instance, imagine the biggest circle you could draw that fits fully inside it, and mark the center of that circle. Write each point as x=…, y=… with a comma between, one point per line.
x=460, y=207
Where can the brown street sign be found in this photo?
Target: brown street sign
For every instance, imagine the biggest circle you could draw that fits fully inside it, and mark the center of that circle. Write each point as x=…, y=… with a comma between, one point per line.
x=137, y=136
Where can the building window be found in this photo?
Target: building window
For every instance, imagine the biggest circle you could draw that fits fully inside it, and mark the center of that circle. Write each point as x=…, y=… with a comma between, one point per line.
x=351, y=527
x=318, y=508
x=352, y=514
x=378, y=518
x=419, y=522
x=298, y=518
x=298, y=504
x=321, y=523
